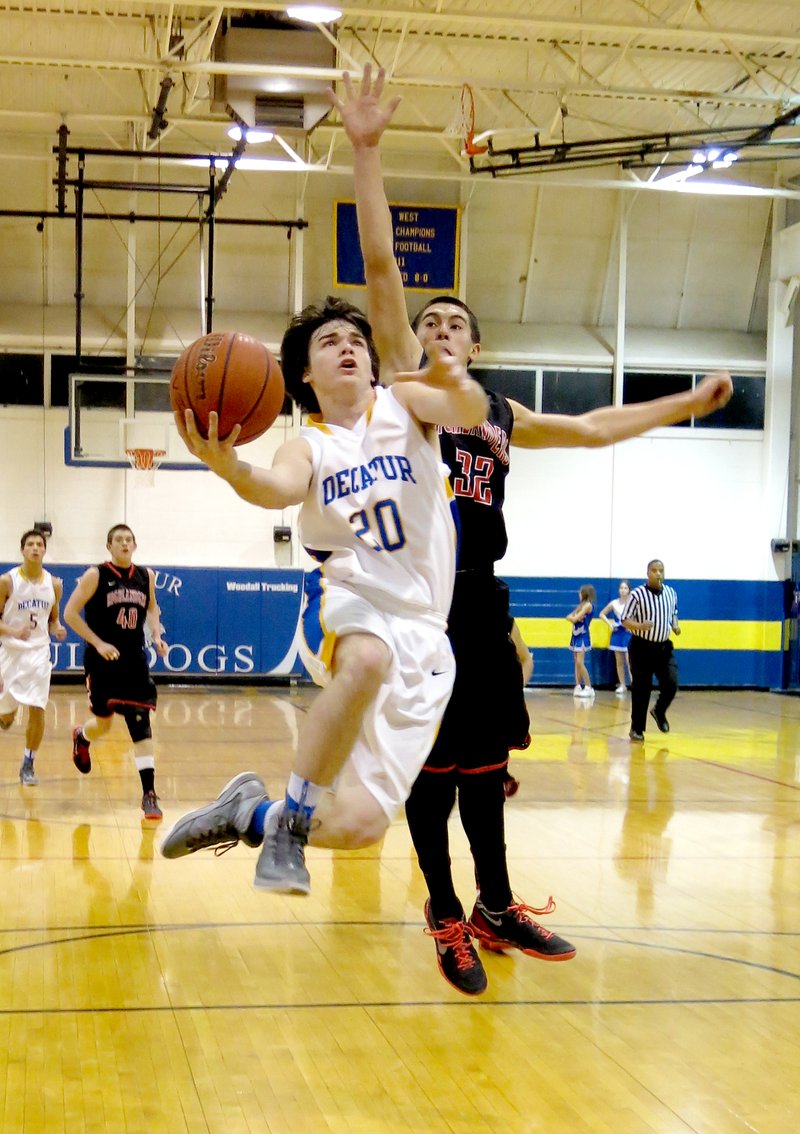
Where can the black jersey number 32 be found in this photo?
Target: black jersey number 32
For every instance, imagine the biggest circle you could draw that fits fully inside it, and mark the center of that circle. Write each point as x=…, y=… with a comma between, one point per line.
x=475, y=476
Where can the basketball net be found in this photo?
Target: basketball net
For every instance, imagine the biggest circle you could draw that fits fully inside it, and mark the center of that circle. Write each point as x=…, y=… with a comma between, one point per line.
x=462, y=124
x=146, y=461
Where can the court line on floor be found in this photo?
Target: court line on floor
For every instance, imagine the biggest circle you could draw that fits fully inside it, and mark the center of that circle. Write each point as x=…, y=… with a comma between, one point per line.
x=86, y=935
x=474, y=1002
x=742, y=772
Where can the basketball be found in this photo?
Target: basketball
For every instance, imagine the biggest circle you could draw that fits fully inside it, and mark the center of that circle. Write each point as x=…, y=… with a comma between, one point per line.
x=234, y=375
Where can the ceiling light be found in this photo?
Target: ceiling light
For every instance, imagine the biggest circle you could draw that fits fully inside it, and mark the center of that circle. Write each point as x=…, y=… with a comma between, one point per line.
x=252, y=135
x=719, y=159
x=314, y=13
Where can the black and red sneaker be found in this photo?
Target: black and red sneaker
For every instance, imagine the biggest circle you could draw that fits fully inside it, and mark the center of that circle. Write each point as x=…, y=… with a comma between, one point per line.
x=150, y=806
x=80, y=751
x=457, y=957
x=514, y=928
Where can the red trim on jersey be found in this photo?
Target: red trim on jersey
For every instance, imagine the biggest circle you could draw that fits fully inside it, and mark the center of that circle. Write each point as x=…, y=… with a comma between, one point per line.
x=117, y=570
x=132, y=704
x=486, y=768
x=467, y=771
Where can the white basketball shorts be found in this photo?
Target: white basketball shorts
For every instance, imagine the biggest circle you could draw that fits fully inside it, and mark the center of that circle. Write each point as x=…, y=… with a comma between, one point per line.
x=400, y=726
x=26, y=677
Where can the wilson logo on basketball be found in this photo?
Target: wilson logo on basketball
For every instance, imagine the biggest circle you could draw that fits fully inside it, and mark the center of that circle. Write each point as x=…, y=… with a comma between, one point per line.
x=232, y=375
x=206, y=357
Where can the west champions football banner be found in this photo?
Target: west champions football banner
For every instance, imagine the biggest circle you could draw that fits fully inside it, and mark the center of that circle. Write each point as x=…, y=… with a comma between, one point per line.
x=218, y=622
x=425, y=242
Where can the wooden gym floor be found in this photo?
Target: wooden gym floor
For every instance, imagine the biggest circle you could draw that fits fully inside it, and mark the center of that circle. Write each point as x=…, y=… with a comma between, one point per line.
x=138, y=994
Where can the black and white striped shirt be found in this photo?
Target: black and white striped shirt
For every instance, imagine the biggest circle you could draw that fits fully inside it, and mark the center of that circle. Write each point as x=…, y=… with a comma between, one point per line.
x=658, y=607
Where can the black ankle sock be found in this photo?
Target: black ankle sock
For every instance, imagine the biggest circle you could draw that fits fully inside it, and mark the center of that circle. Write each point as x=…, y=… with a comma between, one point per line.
x=148, y=778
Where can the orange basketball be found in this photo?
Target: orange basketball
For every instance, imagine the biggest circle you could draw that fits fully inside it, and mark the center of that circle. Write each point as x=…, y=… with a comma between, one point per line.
x=234, y=375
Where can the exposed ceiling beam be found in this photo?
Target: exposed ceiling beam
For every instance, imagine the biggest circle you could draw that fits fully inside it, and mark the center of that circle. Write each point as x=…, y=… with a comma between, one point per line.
x=433, y=82
x=698, y=31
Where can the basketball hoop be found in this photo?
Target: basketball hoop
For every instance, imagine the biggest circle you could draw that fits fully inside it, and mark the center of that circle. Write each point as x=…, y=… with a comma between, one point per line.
x=146, y=461
x=462, y=124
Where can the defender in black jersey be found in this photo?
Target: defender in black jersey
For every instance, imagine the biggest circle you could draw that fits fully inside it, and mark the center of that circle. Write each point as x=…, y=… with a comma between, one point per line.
x=471, y=753
x=118, y=601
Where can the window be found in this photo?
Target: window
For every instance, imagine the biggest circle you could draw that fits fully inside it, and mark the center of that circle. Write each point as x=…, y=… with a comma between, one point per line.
x=576, y=391
x=21, y=380
x=643, y=386
x=745, y=410
x=519, y=385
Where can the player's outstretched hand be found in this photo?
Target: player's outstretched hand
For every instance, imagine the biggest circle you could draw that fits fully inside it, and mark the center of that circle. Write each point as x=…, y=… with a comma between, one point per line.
x=712, y=393
x=218, y=455
x=363, y=116
x=444, y=371
x=441, y=370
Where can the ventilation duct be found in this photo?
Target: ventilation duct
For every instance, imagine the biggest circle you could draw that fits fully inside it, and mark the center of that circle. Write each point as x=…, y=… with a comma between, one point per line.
x=278, y=102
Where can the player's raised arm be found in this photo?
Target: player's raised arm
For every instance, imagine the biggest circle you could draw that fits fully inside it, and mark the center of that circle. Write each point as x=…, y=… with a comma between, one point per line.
x=610, y=424
x=365, y=118
x=277, y=487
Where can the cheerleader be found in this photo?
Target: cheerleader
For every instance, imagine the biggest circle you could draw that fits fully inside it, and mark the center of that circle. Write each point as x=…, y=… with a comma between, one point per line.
x=580, y=642
x=612, y=616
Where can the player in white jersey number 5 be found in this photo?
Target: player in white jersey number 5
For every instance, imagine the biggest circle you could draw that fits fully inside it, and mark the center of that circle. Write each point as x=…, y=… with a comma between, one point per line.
x=29, y=614
x=377, y=515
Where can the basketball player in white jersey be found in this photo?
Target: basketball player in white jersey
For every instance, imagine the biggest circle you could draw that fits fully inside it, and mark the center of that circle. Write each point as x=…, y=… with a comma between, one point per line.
x=29, y=614
x=376, y=513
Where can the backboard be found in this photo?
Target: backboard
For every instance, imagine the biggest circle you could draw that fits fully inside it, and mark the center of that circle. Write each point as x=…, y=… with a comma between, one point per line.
x=111, y=413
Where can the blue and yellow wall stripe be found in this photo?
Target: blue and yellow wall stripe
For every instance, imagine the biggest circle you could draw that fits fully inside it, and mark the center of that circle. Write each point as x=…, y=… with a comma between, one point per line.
x=733, y=632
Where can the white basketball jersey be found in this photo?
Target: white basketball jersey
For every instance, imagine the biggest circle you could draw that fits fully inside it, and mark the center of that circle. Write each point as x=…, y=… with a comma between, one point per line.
x=378, y=514
x=29, y=604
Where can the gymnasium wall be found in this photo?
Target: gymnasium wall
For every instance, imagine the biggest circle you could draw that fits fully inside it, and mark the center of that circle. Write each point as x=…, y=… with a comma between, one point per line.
x=242, y=624
x=701, y=503
x=731, y=631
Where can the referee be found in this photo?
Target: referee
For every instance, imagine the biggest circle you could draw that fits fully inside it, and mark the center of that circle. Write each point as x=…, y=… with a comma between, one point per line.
x=650, y=614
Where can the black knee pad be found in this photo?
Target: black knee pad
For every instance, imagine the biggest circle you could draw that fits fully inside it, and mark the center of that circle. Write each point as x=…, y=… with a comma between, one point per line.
x=138, y=722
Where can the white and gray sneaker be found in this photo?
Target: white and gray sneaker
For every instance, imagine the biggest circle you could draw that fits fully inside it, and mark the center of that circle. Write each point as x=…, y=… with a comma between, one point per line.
x=281, y=865
x=221, y=824
x=27, y=775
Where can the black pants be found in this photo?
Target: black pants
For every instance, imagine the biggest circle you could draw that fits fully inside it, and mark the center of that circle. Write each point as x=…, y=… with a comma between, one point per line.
x=649, y=660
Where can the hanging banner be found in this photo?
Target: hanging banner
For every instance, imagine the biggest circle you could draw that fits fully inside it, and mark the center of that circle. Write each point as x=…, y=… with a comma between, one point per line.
x=426, y=243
